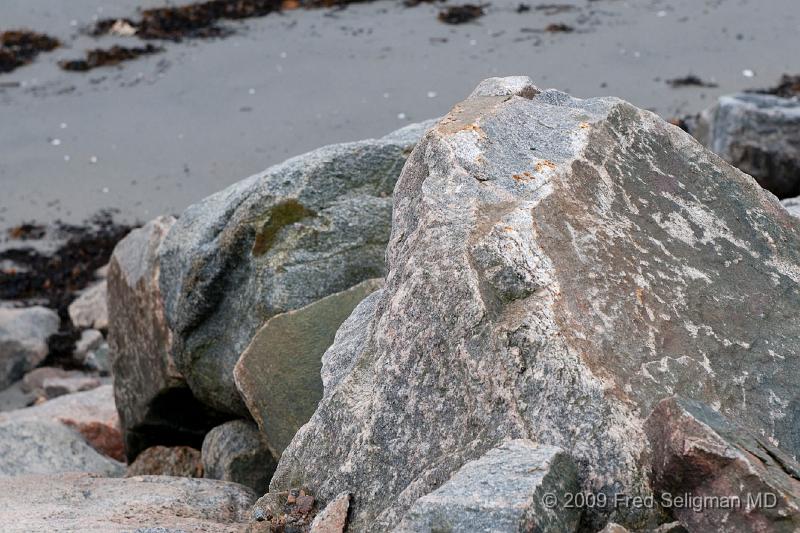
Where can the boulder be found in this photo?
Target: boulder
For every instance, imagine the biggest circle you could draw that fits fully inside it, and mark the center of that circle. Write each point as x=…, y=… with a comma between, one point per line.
x=236, y=451
x=89, y=310
x=23, y=340
x=278, y=375
x=49, y=382
x=505, y=490
x=314, y=225
x=759, y=134
x=90, y=413
x=31, y=446
x=80, y=502
x=91, y=340
x=748, y=483
x=179, y=461
x=155, y=404
x=557, y=266
x=333, y=518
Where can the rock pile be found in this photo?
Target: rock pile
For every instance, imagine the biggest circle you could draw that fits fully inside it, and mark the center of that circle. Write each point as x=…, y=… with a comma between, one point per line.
x=538, y=313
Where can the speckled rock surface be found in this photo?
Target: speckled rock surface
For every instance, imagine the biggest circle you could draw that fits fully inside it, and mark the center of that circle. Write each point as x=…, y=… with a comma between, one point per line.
x=333, y=518
x=697, y=451
x=503, y=491
x=759, y=134
x=23, y=340
x=301, y=230
x=79, y=502
x=154, y=402
x=236, y=451
x=556, y=267
x=38, y=446
x=179, y=461
x=278, y=375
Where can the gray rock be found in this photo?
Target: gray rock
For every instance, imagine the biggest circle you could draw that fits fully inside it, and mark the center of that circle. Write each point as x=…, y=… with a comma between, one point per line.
x=792, y=205
x=312, y=226
x=759, y=134
x=154, y=402
x=278, y=375
x=23, y=340
x=91, y=413
x=79, y=502
x=29, y=446
x=699, y=452
x=236, y=451
x=556, y=267
x=179, y=461
x=91, y=340
x=502, y=492
x=59, y=386
x=89, y=310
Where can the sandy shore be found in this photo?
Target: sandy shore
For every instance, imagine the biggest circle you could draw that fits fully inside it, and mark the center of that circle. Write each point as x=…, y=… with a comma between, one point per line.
x=161, y=132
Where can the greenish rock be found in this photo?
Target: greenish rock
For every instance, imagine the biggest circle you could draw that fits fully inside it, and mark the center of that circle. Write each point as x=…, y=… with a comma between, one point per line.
x=278, y=374
x=306, y=228
x=504, y=491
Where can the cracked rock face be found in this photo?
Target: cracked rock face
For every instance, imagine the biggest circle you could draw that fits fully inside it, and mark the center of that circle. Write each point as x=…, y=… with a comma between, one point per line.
x=697, y=451
x=306, y=228
x=556, y=267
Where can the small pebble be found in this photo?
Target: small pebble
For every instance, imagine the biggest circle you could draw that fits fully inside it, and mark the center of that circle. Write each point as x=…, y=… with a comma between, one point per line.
x=747, y=73
x=431, y=94
x=93, y=159
x=56, y=142
x=401, y=116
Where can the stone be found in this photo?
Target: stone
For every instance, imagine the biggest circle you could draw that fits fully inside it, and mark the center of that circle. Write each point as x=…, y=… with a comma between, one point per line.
x=89, y=310
x=23, y=340
x=59, y=386
x=792, y=205
x=759, y=134
x=699, y=452
x=236, y=451
x=278, y=374
x=179, y=461
x=91, y=340
x=312, y=226
x=614, y=528
x=557, y=267
x=80, y=502
x=154, y=402
x=333, y=519
x=92, y=414
x=504, y=490
x=30, y=446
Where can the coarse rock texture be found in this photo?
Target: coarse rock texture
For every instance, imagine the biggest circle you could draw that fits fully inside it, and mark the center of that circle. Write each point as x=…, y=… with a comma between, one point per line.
x=792, y=205
x=80, y=502
x=23, y=340
x=90, y=310
x=30, y=446
x=556, y=267
x=278, y=375
x=504, y=491
x=236, y=451
x=90, y=341
x=759, y=134
x=333, y=519
x=697, y=451
x=154, y=402
x=91, y=413
x=306, y=228
x=179, y=461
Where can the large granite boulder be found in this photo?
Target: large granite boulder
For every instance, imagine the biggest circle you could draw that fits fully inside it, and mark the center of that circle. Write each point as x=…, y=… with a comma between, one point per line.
x=38, y=446
x=759, y=134
x=556, y=267
x=278, y=375
x=508, y=489
x=23, y=340
x=157, y=504
x=301, y=230
x=154, y=402
x=738, y=481
x=236, y=451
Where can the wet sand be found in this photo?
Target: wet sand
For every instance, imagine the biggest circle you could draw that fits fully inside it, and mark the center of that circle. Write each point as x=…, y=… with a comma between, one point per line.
x=158, y=133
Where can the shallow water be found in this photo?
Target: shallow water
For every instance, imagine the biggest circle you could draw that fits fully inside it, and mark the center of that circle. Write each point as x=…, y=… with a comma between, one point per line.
x=159, y=133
